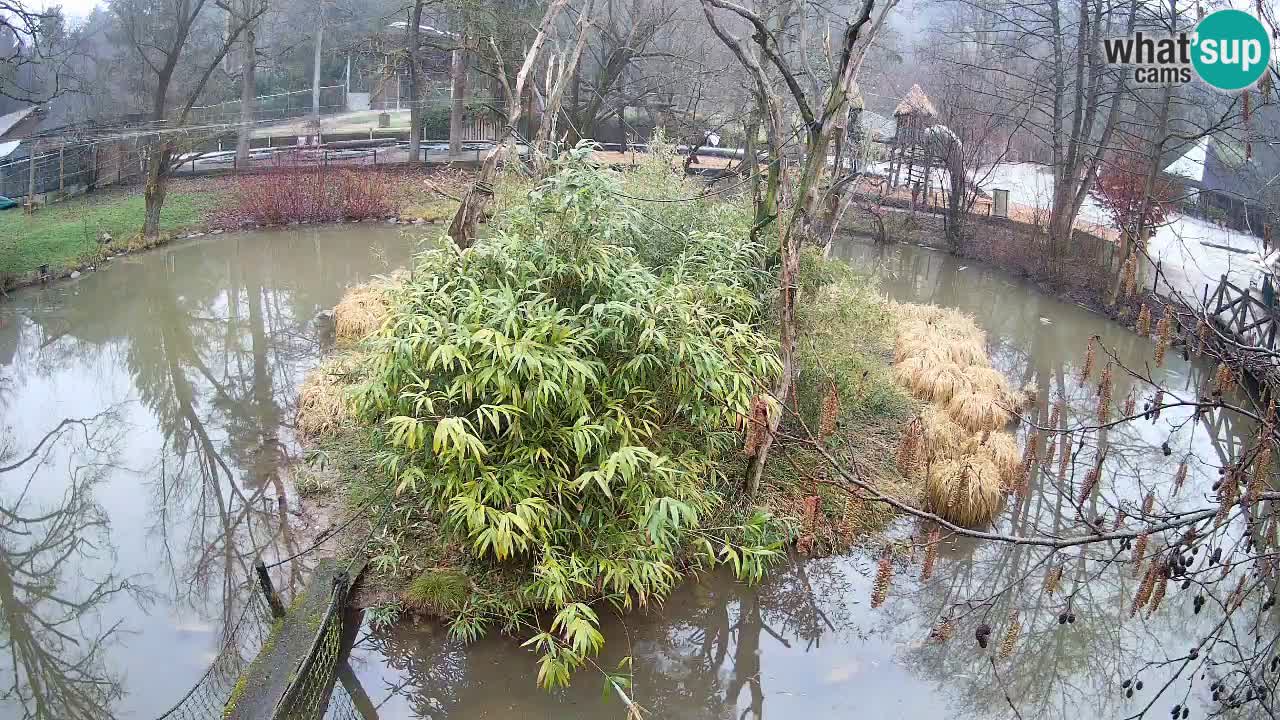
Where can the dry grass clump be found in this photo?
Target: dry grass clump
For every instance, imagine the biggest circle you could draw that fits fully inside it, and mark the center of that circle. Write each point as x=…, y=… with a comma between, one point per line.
x=943, y=438
x=322, y=400
x=978, y=412
x=967, y=491
x=971, y=460
x=1002, y=450
x=362, y=309
x=931, y=378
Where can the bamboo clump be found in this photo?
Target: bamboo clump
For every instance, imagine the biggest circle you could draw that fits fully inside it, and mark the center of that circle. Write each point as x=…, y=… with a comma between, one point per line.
x=968, y=458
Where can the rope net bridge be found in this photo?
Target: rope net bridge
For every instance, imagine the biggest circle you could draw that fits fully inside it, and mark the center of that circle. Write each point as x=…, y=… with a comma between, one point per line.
x=286, y=663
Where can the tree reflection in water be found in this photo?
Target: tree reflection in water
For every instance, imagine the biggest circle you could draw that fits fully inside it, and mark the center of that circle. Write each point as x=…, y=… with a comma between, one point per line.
x=52, y=638
x=203, y=344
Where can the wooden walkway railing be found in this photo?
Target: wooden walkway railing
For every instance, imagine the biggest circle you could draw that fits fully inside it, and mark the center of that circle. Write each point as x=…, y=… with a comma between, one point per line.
x=1244, y=316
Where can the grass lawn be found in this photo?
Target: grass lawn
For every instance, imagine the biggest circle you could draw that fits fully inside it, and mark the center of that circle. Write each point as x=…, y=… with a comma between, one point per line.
x=63, y=235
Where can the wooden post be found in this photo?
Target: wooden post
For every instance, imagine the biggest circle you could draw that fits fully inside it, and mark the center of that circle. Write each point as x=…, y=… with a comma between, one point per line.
x=264, y=579
x=62, y=170
x=31, y=177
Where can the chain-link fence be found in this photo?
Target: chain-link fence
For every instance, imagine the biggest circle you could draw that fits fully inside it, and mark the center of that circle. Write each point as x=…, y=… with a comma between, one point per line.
x=207, y=700
x=274, y=107
x=307, y=695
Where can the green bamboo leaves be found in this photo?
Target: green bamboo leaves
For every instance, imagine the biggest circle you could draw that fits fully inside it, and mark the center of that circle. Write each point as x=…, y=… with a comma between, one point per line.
x=564, y=409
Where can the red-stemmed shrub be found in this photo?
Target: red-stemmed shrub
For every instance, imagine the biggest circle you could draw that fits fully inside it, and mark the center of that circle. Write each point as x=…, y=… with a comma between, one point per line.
x=307, y=195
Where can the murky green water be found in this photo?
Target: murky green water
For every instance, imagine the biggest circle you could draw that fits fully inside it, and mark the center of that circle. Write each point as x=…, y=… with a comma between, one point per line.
x=805, y=644
x=127, y=536
x=145, y=414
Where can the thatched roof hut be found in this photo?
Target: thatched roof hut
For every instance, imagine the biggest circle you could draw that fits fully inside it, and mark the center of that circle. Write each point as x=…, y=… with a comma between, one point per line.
x=915, y=103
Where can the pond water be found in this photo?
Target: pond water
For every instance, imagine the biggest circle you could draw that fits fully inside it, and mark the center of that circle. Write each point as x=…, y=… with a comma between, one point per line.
x=805, y=643
x=146, y=414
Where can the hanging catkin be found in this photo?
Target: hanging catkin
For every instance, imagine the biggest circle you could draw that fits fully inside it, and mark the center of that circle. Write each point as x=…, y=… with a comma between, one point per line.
x=910, y=449
x=1164, y=334
x=1157, y=592
x=930, y=553
x=1052, y=579
x=1130, y=280
x=943, y=631
x=1228, y=491
x=1179, y=477
x=1222, y=379
x=1104, y=396
x=1010, y=636
x=1140, y=551
x=1089, y=359
x=1064, y=457
x=884, y=577
x=1090, y=482
x=1144, y=320
x=830, y=410
x=1143, y=594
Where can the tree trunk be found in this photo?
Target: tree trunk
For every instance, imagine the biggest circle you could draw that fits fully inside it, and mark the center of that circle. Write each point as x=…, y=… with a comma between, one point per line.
x=315, y=73
x=466, y=220
x=154, y=192
x=415, y=102
x=457, y=96
x=248, y=95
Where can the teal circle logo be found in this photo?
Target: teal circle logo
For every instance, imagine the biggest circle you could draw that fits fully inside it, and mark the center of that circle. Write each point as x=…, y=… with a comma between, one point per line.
x=1231, y=49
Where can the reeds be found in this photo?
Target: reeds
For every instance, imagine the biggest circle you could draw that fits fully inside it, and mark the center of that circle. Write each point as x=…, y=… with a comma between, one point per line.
x=967, y=491
x=322, y=400
x=362, y=309
x=971, y=459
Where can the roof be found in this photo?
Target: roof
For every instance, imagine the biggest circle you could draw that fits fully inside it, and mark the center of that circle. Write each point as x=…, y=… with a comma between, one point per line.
x=7, y=148
x=876, y=125
x=1191, y=164
x=915, y=102
x=10, y=121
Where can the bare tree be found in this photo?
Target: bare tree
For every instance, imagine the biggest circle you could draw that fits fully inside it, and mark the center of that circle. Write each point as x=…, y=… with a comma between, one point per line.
x=163, y=37
x=818, y=124
x=462, y=229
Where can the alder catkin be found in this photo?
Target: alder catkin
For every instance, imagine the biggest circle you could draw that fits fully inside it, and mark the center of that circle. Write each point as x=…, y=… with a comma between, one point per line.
x=1164, y=334
x=1157, y=593
x=1144, y=320
x=884, y=577
x=1064, y=457
x=1228, y=492
x=1090, y=482
x=1140, y=551
x=1130, y=402
x=1010, y=636
x=830, y=410
x=1148, y=503
x=1143, y=594
x=943, y=631
x=1179, y=477
x=910, y=449
x=1130, y=282
x=1089, y=360
x=930, y=553
x=1222, y=379
x=1104, y=396
x=1052, y=579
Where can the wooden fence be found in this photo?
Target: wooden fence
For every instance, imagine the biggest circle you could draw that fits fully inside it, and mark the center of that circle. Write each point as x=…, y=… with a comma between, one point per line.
x=1243, y=315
